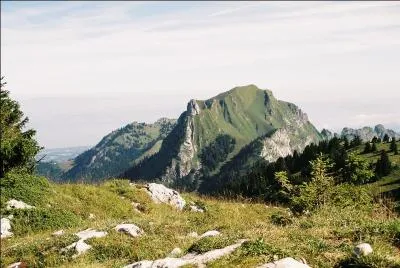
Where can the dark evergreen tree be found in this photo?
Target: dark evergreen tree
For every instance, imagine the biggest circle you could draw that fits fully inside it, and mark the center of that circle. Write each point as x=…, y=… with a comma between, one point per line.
x=18, y=146
x=373, y=148
x=346, y=142
x=386, y=138
x=383, y=165
x=356, y=141
x=367, y=148
x=392, y=144
x=374, y=139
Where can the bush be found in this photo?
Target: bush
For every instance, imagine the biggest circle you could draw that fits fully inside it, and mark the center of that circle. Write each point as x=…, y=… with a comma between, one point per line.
x=259, y=248
x=38, y=219
x=281, y=218
x=346, y=195
x=20, y=185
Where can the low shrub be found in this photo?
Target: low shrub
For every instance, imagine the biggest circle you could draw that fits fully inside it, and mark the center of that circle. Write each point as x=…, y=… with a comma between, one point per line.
x=370, y=261
x=44, y=253
x=210, y=243
x=281, y=218
x=38, y=219
x=20, y=185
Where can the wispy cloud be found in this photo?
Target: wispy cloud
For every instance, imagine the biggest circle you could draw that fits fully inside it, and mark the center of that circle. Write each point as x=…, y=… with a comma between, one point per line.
x=303, y=51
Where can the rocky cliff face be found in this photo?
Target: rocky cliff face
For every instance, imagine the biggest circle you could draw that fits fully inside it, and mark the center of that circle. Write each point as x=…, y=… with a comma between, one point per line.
x=244, y=114
x=368, y=133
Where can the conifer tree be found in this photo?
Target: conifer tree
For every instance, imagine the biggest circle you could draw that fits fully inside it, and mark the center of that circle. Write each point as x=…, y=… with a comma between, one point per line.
x=383, y=165
x=367, y=148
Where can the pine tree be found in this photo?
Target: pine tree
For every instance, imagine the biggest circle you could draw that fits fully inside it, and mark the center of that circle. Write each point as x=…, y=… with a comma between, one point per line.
x=396, y=152
x=367, y=148
x=386, y=138
x=18, y=147
x=374, y=149
x=383, y=165
x=356, y=141
x=346, y=143
x=374, y=139
x=392, y=144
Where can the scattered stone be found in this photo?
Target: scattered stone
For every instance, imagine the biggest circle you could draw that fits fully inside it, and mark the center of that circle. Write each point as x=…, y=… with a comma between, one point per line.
x=130, y=229
x=20, y=264
x=285, y=263
x=136, y=206
x=161, y=194
x=196, y=209
x=210, y=233
x=80, y=246
x=363, y=249
x=193, y=234
x=91, y=216
x=90, y=233
x=189, y=259
x=16, y=204
x=58, y=233
x=175, y=252
x=6, y=227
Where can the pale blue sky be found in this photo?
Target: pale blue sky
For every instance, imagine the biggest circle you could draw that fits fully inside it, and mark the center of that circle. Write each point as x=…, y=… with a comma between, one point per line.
x=81, y=69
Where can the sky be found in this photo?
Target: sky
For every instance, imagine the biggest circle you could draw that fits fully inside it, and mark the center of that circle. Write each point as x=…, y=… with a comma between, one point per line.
x=82, y=69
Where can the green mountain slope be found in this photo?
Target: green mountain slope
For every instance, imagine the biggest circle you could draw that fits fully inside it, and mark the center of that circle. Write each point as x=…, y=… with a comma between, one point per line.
x=237, y=117
x=119, y=150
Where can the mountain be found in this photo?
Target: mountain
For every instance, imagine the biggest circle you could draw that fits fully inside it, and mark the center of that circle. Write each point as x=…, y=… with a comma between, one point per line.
x=119, y=150
x=214, y=132
x=367, y=133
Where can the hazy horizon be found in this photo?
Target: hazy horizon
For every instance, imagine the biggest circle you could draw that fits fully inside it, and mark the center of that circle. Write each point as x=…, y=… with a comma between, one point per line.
x=83, y=69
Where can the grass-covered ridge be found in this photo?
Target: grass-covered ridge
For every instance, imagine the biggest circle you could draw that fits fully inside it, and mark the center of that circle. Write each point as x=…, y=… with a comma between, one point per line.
x=324, y=238
x=119, y=150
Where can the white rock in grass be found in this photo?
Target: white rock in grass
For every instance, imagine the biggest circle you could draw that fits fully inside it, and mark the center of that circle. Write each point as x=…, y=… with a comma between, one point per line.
x=196, y=209
x=190, y=259
x=16, y=204
x=17, y=265
x=363, y=249
x=130, y=229
x=161, y=194
x=175, y=252
x=92, y=216
x=58, y=233
x=285, y=263
x=193, y=234
x=80, y=246
x=5, y=228
x=210, y=233
x=90, y=233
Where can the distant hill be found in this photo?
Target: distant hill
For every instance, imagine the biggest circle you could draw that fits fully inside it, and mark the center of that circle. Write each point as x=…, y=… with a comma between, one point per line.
x=119, y=150
x=60, y=155
x=211, y=133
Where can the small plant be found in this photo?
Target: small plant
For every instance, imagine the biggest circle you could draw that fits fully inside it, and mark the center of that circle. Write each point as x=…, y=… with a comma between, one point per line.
x=255, y=248
x=210, y=243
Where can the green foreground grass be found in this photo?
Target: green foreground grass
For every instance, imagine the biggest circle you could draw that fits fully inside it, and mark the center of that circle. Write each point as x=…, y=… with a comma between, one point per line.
x=324, y=238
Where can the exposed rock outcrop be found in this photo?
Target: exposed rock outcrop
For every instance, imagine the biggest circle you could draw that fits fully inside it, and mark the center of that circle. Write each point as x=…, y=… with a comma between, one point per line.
x=189, y=259
x=368, y=133
x=161, y=194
